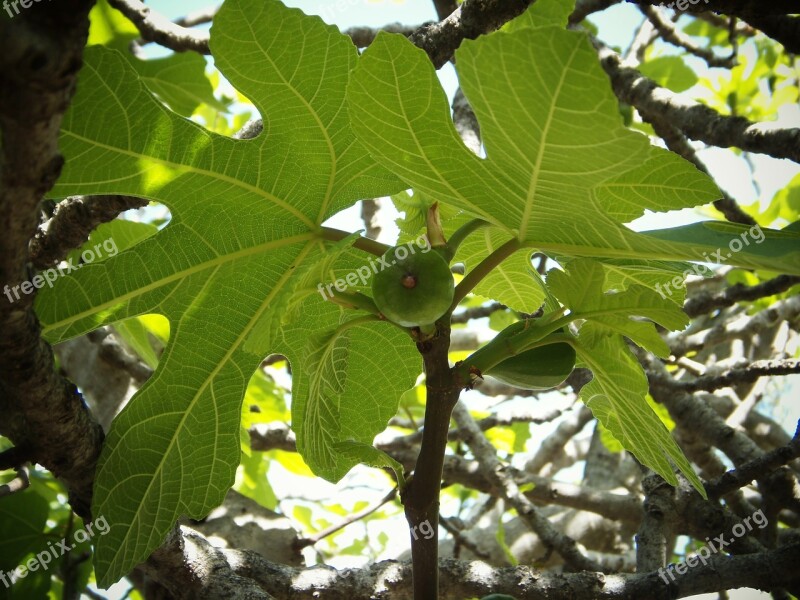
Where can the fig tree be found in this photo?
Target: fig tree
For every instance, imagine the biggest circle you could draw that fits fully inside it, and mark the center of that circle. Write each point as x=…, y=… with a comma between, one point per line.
x=538, y=368
x=416, y=288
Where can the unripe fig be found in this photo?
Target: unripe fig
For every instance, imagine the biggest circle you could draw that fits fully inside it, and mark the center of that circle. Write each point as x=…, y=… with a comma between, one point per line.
x=538, y=368
x=416, y=288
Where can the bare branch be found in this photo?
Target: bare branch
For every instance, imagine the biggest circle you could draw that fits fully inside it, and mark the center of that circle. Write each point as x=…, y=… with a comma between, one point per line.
x=195, y=569
x=695, y=120
x=72, y=222
x=364, y=36
x=670, y=34
x=471, y=19
x=369, y=214
x=704, y=302
x=155, y=27
x=759, y=368
x=495, y=472
x=755, y=469
x=352, y=518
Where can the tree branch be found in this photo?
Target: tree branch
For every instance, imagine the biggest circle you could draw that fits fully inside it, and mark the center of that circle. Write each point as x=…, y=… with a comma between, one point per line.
x=40, y=55
x=195, y=569
x=72, y=222
x=697, y=121
x=756, y=369
x=503, y=483
x=670, y=34
x=155, y=27
x=755, y=469
x=783, y=29
x=704, y=302
x=471, y=19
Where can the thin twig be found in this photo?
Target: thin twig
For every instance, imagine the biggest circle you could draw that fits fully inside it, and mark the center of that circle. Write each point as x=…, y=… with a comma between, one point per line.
x=670, y=34
x=755, y=469
x=155, y=27
x=301, y=543
x=704, y=302
x=21, y=482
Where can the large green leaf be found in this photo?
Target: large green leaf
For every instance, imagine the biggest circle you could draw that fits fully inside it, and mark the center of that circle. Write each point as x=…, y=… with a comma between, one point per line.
x=178, y=79
x=562, y=173
x=235, y=271
x=616, y=396
x=582, y=289
x=23, y=517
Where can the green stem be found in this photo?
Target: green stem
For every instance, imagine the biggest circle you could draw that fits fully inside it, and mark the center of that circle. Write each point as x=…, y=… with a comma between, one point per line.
x=355, y=300
x=362, y=243
x=460, y=235
x=486, y=266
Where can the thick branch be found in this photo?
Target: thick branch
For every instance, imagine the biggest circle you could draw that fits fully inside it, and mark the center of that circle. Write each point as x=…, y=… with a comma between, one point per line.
x=471, y=19
x=40, y=55
x=697, y=121
x=195, y=569
x=735, y=7
x=74, y=219
x=783, y=29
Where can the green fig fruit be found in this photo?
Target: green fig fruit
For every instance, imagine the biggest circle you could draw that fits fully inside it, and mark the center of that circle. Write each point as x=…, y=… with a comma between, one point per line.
x=416, y=288
x=539, y=368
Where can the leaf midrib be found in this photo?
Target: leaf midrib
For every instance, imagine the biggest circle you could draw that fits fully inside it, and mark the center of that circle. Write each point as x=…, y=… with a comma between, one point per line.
x=211, y=375
x=219, y=260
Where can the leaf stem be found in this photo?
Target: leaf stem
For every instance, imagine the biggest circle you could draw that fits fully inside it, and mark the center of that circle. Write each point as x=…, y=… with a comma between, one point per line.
x=355, y=300
x=485, y=267
x=362, y=243
x=460, y=234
